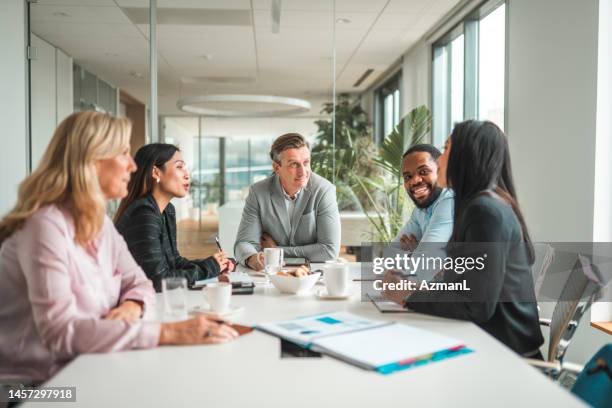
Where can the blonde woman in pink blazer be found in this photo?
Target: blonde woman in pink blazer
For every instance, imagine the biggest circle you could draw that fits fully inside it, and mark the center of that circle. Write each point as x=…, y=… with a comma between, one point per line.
x=69, y=283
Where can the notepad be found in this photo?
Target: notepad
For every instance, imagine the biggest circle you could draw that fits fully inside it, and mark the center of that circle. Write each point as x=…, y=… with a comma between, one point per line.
x=386, y=306
x=236, y=276
x=389, y=348
x=385, y=347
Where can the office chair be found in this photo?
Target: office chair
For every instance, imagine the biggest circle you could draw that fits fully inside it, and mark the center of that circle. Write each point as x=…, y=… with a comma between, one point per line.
x=544, y=255
x=579, y=292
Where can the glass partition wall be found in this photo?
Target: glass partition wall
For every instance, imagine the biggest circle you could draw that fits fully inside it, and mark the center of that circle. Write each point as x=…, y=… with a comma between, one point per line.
x=96, y=56
x=87, y=56
x=228, y=78
x=234, y=83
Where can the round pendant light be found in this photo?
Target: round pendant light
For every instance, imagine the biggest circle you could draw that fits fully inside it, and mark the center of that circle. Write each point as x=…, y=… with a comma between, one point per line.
x=262, y=105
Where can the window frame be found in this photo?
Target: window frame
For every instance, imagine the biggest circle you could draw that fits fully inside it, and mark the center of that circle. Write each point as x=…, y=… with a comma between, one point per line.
x=469, y=27
x=389, y=87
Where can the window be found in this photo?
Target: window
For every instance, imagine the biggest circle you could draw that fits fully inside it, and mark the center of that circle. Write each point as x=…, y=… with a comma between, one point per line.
x=469, y=71
x=388, y=107
x=492, y=66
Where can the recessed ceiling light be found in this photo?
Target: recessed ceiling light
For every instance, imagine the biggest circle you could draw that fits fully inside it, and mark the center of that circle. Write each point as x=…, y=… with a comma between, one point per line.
x=136, y=74
x=61, y=14
x=343, y=21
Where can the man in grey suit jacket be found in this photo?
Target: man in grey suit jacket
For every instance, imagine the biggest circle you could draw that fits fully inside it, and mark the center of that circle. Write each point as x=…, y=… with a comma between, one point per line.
x=293, y=209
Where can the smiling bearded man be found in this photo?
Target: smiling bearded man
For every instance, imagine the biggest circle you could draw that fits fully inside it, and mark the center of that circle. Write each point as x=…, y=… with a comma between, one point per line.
x=432, y=220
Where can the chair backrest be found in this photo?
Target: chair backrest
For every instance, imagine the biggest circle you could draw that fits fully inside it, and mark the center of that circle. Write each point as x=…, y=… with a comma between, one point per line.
x=544, y=255
x=579, y=291
x=594, y=384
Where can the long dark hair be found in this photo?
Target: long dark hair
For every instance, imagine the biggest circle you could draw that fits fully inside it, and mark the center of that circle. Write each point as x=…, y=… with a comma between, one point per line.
x=479, y=163
x=141, y=182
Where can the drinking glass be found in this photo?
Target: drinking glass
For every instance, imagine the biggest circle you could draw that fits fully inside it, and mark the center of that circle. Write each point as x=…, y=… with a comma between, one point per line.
x=273, y=262
x=174, y=292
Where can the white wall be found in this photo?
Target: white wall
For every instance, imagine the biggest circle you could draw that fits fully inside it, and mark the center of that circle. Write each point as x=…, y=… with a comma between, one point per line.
x=13, y=155
x=43, y=97
x=602, y=214
x=64, y=85
x=552, y=94
x=602, y=220
x=551, y=124
x=52, y=94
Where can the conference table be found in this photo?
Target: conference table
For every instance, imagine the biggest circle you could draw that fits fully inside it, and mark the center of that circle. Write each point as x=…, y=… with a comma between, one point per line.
x=251, y=372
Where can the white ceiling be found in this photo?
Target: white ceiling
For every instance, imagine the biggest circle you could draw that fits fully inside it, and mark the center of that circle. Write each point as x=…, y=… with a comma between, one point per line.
x=295, y=62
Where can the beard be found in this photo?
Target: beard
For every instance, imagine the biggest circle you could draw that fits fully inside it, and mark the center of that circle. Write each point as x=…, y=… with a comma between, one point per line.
x=433, y=196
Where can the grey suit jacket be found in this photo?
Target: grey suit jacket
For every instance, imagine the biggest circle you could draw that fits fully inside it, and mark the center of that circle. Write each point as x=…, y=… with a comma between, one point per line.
x=314, y=231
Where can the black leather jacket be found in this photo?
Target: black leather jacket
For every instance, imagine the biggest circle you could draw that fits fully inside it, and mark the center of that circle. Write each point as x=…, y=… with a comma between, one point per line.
x=151, y=238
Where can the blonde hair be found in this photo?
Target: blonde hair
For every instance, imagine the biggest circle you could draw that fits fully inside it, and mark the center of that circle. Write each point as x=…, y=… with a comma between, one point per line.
x=67, y=173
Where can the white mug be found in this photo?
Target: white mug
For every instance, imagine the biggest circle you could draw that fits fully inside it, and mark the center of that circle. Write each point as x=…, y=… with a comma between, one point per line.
x=218, y=296
x=337, y=278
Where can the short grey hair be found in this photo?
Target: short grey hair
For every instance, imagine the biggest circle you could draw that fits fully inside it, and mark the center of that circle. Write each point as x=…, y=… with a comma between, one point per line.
x=285, y=142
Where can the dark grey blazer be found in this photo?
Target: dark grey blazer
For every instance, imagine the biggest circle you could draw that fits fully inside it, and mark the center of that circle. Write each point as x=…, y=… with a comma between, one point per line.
x=314, y=231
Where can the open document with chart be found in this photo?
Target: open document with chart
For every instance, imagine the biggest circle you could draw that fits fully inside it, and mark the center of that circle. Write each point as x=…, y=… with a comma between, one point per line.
x=381, y=346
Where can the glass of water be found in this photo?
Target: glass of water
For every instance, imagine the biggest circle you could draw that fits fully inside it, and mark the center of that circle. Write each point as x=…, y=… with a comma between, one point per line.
x=174, y=291
x=273, y=261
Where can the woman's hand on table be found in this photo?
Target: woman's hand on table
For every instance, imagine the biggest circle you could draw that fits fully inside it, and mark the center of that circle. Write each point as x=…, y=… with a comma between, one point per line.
x=198, y=330
x=397, y=296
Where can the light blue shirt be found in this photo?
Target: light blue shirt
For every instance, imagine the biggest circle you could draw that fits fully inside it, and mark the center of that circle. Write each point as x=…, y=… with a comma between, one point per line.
x=434, y=223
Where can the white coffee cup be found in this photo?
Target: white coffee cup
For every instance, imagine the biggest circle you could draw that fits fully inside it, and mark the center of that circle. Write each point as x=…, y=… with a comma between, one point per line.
x=218, y=296
x=337, y=278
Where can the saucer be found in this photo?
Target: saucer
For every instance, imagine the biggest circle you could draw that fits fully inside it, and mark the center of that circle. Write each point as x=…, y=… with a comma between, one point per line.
x=323, y=295
x=205, y=310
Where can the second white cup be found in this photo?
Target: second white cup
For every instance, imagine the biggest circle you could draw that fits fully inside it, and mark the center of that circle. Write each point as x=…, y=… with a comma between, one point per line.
x=218, y=296
x=337, y=278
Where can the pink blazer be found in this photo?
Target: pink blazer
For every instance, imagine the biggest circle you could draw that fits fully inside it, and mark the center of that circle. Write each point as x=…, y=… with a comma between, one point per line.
x=55, y=293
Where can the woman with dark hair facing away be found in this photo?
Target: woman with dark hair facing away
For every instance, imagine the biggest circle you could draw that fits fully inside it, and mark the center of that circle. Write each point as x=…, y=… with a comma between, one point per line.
x=147, y=219
x=488, y=223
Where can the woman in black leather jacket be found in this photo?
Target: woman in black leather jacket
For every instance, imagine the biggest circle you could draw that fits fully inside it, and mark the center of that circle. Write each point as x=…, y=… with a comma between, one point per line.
x=147, y=219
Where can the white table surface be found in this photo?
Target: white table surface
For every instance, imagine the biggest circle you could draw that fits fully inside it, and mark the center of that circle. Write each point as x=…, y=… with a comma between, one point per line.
x=249, y=372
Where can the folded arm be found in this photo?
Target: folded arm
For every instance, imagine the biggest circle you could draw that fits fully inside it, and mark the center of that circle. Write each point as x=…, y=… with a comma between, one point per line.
x=327, y=245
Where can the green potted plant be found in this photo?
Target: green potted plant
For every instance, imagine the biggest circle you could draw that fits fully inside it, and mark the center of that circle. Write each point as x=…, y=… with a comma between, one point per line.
x=392, y=207
x=352, y=155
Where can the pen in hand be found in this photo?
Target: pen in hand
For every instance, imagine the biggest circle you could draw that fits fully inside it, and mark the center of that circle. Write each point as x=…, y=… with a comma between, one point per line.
x=218, y=243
